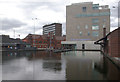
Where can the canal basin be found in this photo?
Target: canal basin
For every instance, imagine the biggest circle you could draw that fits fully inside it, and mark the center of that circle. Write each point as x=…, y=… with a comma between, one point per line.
x=72, y=65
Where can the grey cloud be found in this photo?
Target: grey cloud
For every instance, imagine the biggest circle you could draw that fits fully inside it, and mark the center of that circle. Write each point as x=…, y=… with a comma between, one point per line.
x=29, y=29
x=114, y=24
x=29, y=7
x=11, y=23
x=32, y=5
x=114, y=9
x=114, y=12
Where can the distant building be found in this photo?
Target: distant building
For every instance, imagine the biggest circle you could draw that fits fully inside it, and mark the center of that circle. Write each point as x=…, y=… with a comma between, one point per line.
x=85, y=21
x=55, y=28
x=44, y=41
x=8, y=43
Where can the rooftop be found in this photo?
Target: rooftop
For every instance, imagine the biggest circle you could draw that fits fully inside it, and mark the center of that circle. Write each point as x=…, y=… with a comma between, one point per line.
x=91, y=3
x=51, y=24
x=82, y=3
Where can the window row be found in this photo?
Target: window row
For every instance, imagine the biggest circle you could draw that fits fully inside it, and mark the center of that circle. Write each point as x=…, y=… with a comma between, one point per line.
x=40, y=41
x=93, y=14
x=94, y=33
x=58, y=42
x=94, y=7
x=47, y=32
x=48, y=28
x=94, y=27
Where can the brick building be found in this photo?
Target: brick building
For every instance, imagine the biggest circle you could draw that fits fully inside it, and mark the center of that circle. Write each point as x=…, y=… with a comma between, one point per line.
x=111, y=43
x=45, y=41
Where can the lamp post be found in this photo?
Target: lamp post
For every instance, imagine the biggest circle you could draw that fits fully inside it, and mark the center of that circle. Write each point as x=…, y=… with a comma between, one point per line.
x=118, y=13
x=34, y=31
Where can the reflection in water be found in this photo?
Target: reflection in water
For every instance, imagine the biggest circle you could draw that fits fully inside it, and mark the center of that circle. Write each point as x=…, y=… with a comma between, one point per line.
x=83, y=52
x=56, y=66
x=41, y=65
x=83, y=67
x=109, y=71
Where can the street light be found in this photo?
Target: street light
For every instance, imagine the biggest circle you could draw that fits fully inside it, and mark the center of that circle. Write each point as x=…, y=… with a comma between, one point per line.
x=118, y=13
x=34, y=31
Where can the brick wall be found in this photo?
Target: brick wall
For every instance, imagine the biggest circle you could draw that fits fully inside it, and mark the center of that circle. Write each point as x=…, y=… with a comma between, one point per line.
x=44, y=42
x=114, y=43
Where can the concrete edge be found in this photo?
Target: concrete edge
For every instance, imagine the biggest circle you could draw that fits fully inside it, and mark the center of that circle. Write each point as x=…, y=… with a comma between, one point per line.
x=111, y=59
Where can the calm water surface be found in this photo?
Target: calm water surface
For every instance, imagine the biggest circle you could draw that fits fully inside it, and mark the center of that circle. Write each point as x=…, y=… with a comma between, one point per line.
x=73, y=65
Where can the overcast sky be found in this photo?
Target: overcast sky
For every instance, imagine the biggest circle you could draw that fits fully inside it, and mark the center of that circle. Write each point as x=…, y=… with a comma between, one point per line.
x=17, y=15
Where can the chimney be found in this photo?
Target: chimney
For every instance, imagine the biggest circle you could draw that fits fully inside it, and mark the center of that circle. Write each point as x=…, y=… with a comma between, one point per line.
x=104, y=32
x=104, y=41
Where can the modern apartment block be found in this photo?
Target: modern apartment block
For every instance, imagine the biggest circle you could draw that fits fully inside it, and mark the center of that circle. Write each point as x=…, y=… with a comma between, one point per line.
x=55, y=28
x=85, y=21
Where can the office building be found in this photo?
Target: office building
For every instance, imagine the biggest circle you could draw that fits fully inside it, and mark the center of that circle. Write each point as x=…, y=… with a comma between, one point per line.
x=85, y=21
x=55, y=28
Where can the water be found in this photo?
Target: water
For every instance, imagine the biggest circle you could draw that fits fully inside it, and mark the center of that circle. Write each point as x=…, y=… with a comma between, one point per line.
x=73, y=65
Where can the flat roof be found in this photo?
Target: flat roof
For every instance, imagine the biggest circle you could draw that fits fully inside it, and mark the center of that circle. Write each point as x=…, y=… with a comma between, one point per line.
x=51, y=24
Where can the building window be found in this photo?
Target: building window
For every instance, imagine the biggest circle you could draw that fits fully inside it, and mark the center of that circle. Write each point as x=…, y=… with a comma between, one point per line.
x=104, y=20
x=36, y=41
x=84, y=9
x=103, y=25
x=40, y=46
x=86, y=26
x=45, y=42
x=78, y=27
x=58, y=42
x=44, y=46
x=95, y=33
x=95, y=20
x=53, y=42
x=88, y=33
x=95, y=6
x=95, y=27
x=80, y=33
x=40, y=41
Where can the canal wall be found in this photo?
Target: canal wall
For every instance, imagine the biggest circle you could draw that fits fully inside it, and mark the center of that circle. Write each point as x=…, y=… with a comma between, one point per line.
x=88, y=45
x=114, y=60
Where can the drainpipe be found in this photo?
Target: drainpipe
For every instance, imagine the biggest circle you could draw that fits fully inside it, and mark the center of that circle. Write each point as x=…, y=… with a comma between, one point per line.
x=104, y=34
